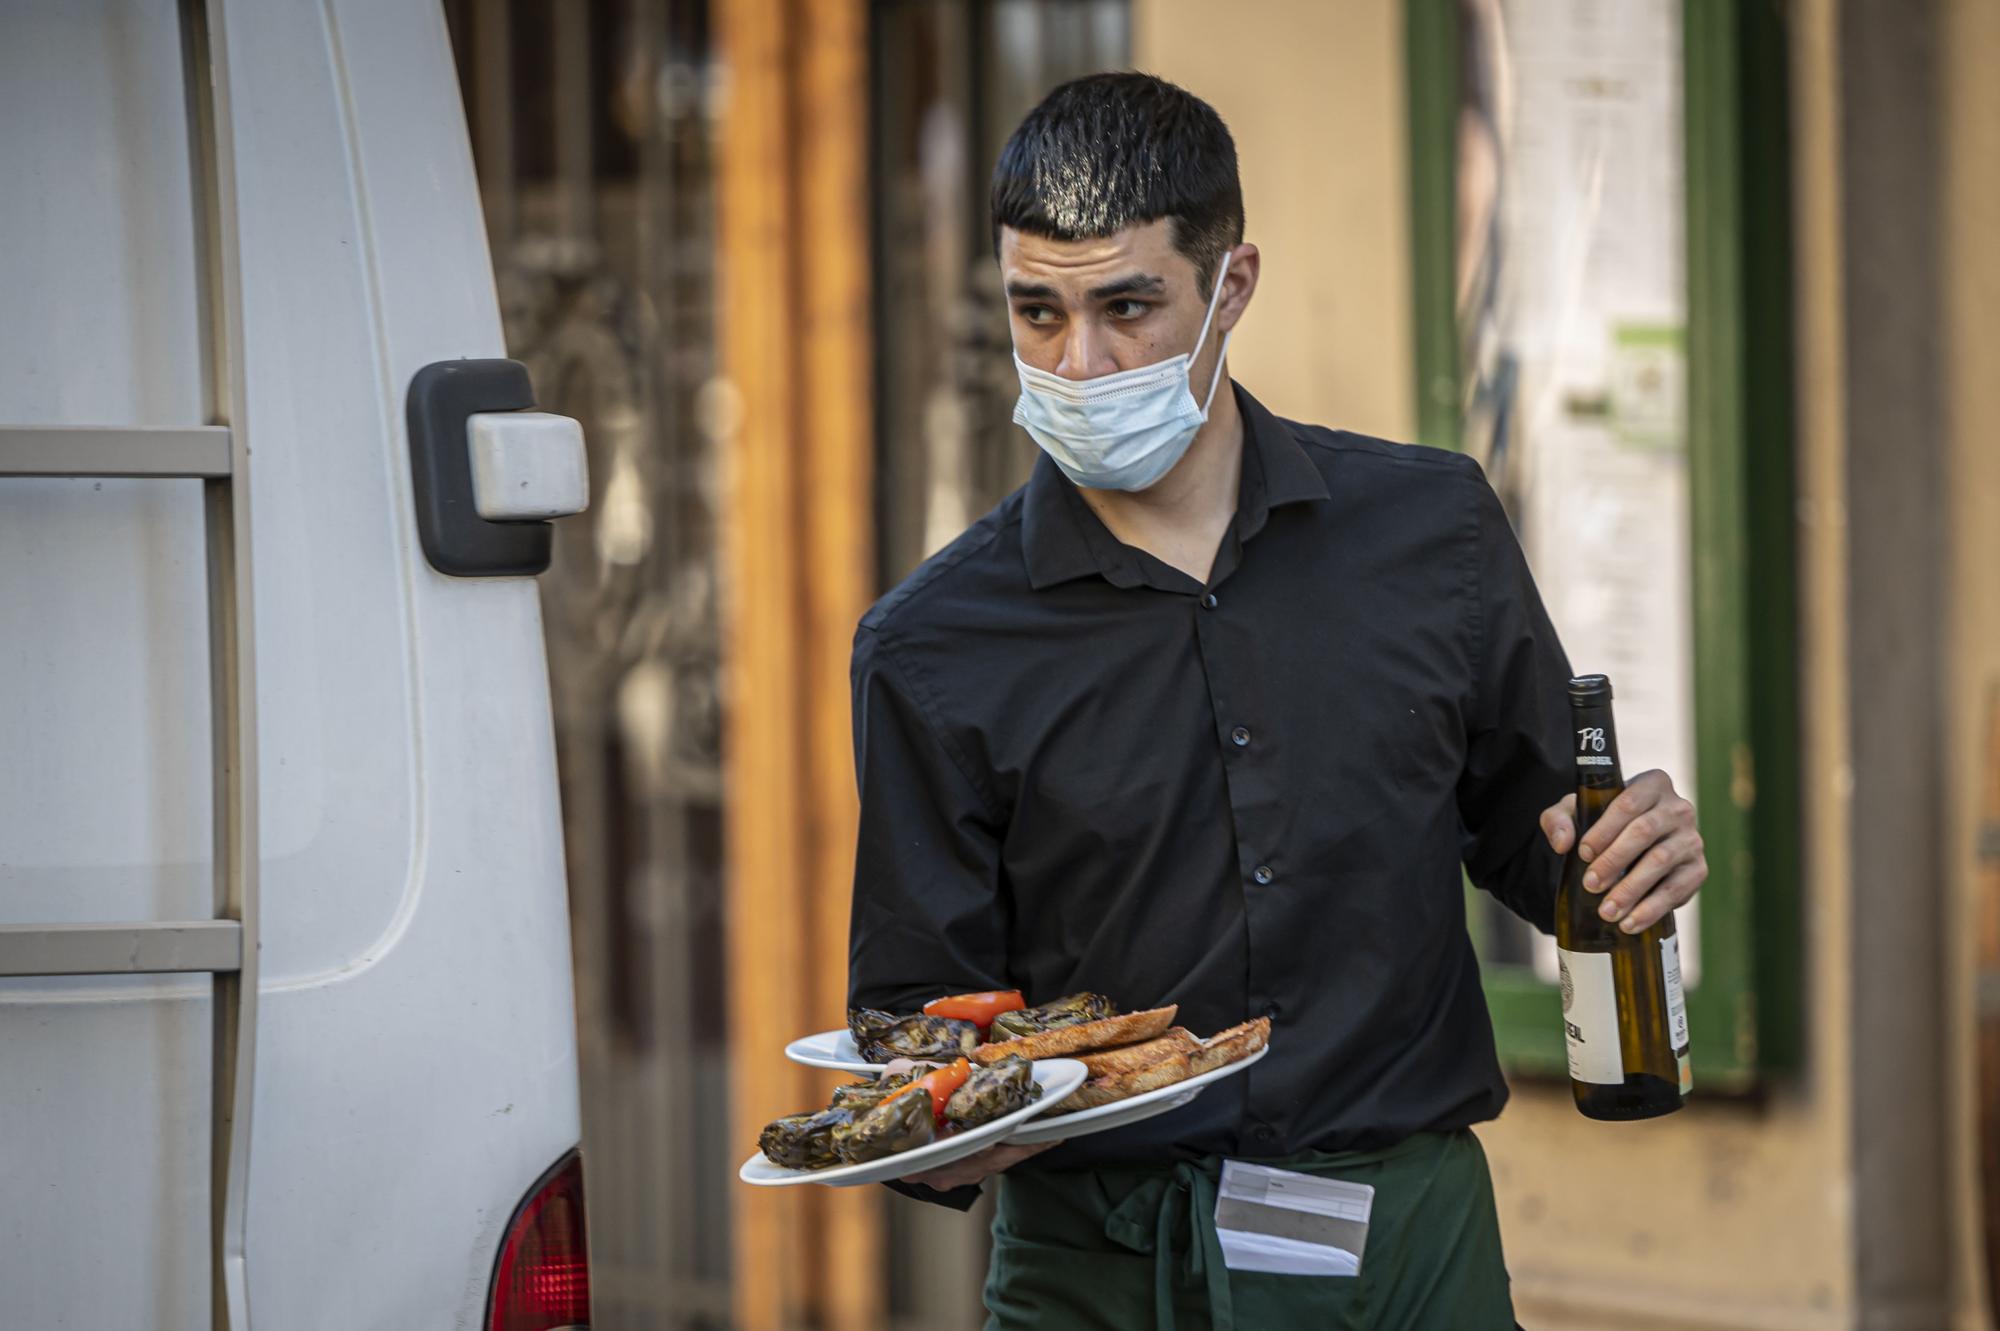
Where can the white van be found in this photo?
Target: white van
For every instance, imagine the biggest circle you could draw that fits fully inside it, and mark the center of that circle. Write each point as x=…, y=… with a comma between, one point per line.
x=286, y=1023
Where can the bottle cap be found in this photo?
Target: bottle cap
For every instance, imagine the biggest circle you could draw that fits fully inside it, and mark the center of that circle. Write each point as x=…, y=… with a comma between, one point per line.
x=1590, y=690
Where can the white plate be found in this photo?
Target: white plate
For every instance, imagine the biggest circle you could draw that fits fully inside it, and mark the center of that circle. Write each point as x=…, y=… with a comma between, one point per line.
x=831, y=1049
x=1121, y=1112
x=1058, y=1078
x=834, y=1050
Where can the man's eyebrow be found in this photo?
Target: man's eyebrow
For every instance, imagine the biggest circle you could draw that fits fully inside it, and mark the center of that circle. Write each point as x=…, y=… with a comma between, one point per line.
x=1139, y=284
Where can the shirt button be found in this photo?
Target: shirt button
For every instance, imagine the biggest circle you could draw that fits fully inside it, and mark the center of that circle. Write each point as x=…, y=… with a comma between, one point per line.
x=1271, y=1011
x=1262, y=873
x=1239, y=736
x=1208, y=602
x=1264, y=1132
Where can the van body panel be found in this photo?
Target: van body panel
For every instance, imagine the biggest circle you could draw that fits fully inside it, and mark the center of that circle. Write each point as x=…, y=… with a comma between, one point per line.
x=416, y=1049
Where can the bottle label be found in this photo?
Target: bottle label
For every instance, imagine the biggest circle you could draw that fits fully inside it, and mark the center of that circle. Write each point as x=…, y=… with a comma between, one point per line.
x=1677, y=1013
x=1590, y=748
x=1590, y=1017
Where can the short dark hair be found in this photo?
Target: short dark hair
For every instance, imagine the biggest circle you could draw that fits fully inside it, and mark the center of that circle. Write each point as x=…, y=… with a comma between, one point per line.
x=1109, y=151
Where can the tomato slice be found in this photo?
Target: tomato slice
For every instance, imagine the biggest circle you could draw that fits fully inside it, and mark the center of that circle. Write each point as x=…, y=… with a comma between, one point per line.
x=939, y=1083
x=979, y=1009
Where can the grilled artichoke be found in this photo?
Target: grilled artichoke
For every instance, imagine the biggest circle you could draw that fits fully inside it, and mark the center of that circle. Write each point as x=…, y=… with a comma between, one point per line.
x=894, y=1125
x=881, y=1036
x=804, y=1141
x=866, y=1023
x=998, y=1088
x=1071, y=1011
x=861, y=1096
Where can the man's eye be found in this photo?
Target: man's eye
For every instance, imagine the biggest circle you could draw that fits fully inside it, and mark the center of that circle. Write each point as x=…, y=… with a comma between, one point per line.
x=1128, y=309
x=1037, y=314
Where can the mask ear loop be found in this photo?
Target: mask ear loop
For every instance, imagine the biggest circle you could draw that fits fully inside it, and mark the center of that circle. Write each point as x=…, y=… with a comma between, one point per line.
x=1214, y=299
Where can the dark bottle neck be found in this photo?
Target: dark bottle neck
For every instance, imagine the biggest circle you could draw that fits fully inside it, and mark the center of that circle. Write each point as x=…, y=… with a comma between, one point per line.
x=1594, y=745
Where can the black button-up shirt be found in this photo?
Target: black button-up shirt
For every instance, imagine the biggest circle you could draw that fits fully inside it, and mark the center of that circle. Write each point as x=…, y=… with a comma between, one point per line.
x=1082, y=769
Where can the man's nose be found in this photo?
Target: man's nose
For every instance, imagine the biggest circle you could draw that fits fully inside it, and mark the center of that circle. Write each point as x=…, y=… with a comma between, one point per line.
x=1086, y=352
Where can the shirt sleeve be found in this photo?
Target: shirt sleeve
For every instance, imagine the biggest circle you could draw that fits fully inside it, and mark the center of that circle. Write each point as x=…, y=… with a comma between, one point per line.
x=928, y=918
x=1518, y=758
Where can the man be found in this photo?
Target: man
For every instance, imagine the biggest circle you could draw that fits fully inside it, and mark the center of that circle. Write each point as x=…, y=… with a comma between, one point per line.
x=1210, y=712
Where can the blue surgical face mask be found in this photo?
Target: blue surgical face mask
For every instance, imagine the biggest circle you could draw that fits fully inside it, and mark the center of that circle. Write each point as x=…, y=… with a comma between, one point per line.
x=1120, y=431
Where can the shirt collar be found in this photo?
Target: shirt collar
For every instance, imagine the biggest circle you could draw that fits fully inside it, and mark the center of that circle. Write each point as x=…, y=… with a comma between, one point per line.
x=1062, y=539
x=1276, y=470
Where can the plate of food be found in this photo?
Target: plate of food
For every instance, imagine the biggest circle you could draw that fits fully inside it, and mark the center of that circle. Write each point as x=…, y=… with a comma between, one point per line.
x=962, y=1025
x=1139, y=1081
x=892, y=1126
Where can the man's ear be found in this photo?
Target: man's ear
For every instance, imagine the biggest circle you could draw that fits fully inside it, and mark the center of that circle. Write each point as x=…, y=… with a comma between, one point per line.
x=1239, y=284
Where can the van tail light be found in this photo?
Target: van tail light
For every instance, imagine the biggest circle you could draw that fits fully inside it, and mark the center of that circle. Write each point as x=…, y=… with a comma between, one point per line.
x=542, y=1281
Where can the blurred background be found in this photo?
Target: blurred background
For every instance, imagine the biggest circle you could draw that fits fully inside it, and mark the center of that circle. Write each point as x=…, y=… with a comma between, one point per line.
x=1709, y=287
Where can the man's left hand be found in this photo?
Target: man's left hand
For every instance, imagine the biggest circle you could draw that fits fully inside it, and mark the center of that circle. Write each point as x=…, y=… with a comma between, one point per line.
x=976, y=1169
x=1644, y=848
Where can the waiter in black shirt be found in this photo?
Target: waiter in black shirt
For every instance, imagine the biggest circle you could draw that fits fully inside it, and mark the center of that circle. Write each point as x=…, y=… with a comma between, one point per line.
x=1211, y=712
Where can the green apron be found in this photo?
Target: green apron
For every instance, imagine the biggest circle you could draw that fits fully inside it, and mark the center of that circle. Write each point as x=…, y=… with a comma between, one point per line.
x=1125, y=1249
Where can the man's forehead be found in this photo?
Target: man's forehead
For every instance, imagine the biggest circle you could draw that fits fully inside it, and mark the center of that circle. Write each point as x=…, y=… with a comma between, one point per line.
x=1146, y=249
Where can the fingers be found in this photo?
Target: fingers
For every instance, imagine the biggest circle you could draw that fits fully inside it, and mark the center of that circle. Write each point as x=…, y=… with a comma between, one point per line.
x=1638, y=834
x=978, y=1168
x=1638, y=899
x=950, y=1176
x=1640, y=795
x=1675, y=890
x=1559, y=824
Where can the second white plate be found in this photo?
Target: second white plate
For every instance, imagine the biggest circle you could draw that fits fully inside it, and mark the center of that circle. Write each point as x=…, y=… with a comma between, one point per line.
x=835, y=1050
x=1118, y=1113
x=831, y=1049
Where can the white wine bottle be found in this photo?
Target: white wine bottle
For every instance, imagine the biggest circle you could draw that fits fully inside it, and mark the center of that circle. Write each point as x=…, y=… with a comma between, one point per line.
x=1624, y=1017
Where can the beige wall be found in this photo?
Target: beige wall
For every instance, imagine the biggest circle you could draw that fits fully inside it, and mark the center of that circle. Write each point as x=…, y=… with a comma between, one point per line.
x=1727, y=1215
x=1312, y=92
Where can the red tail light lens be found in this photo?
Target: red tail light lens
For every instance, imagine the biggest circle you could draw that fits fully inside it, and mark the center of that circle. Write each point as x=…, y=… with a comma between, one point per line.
x=542, y=1281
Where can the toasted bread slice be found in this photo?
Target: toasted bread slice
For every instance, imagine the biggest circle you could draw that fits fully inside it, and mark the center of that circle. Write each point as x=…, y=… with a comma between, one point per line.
x=1125, y=1085
x=1067, y=1041
x=1231, y=1046
x=1132, y=1057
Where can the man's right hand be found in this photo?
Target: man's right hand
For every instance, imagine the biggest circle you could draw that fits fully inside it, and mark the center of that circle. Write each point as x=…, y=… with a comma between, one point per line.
x=976, y=1169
